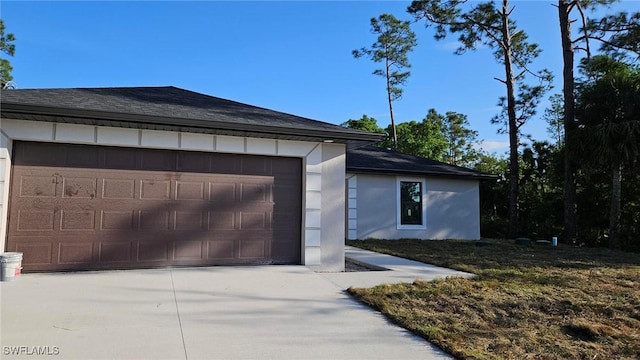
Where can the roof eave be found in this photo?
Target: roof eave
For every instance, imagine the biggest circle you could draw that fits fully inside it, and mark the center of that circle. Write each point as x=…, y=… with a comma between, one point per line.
x=95, y=117
x=420, y=173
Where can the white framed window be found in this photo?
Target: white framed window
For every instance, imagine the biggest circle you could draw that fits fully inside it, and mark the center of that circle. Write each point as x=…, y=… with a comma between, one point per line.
x=411, y=203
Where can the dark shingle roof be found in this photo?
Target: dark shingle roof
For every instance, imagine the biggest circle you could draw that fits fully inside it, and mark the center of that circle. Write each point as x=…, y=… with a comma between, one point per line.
x=372, y=159
x=167, y=108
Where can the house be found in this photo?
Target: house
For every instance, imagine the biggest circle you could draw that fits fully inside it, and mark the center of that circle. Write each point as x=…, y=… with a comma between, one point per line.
x=113, y=178
x=117, y=178
x=391, y=195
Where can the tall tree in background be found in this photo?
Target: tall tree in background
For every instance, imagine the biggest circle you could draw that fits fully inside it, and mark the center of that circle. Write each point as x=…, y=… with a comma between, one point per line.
x=554, y=116
x=395, y=41
x=619, y=33
x=460, y=138
x=8, y=48
x=424, y=138
x=446, y=138
x=608, y=114
x=486, y=24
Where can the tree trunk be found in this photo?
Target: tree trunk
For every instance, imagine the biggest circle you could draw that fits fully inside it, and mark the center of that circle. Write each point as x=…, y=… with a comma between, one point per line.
x=514, y=167
x=614, y=215
x=569, y=123
x=390, y=100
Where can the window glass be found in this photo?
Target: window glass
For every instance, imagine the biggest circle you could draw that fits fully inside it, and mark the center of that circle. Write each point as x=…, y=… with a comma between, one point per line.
x=410, y=203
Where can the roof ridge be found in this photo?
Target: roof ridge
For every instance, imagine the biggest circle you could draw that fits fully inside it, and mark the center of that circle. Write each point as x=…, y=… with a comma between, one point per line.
x=103, y=87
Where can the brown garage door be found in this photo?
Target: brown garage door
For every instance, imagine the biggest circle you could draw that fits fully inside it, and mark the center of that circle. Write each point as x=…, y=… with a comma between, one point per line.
x=91, y=207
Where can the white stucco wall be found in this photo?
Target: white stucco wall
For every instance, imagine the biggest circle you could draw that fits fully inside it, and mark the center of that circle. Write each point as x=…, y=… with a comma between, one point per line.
x=5, y=171
x=323, y=164
x=452, y=208
x=333, y=203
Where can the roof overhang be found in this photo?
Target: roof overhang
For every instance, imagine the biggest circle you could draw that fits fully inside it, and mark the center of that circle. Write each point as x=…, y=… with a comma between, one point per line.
x=363, y=170
x=17, y=111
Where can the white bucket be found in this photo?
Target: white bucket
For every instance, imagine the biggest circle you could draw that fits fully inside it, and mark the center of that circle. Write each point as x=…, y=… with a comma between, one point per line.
x=11, y=265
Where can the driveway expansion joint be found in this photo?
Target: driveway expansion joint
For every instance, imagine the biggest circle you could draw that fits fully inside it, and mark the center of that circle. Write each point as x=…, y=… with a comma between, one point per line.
x=175, y=299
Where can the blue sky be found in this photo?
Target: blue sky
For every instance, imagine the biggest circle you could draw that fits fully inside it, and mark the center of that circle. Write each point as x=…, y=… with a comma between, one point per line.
x=290, y=56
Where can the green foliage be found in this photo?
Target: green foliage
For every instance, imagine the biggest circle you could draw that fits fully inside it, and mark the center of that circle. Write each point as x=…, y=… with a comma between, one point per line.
x=608, y=135
x=494, y=206
x=526, y=102
x=554, y=116
x=460, y=138
x=395, y=40
x=541, y=191
x=446, y=138
x=540, y=185
x=7, y=47
x=569, y=45
x=482, y=25
x=424, y=138
x=365, y=123
x=619, y=34
x=608, y=112
x=490, y=26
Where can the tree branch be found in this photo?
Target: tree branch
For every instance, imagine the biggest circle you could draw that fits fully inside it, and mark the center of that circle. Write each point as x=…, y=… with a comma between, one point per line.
x=610, y=44
x=577, y=40
x=486, y=29
x=584, y=27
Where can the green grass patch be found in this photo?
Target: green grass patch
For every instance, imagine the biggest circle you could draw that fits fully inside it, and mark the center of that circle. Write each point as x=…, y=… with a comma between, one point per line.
x=525, y=302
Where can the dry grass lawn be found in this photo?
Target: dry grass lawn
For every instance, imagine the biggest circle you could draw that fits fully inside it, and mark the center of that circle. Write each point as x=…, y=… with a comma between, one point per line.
x=526, y=302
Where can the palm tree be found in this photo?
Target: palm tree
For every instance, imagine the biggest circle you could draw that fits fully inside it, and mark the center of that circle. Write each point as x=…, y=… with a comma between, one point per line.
x=608, y=133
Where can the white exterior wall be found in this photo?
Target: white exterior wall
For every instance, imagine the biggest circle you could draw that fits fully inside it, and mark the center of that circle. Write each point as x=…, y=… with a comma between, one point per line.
x=322, y=232
x=332, y=205
x=452, y=208
x=5, y=171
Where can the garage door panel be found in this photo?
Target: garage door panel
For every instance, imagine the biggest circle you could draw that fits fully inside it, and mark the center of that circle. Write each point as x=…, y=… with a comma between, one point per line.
x=190, y=190
x=255, y=192
x=221, y=220
x=110, y=211
x=77, y=220
x=115, y=252
x=188, y=220
x=73, y=253
x=37, y=186
x=188, y=250
x=154, y=250
x=221, y=249
x=155, y=220
x=253, y=248
x=155, y=189
x=36, y=251
x=117, y=220
x=254, y=221
x=222, y=192
x=79, y=187
x=35, y=220
x=118, y=188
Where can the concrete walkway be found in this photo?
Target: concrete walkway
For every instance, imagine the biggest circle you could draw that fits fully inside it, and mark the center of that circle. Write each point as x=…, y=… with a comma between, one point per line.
x=262, y=312
x=393, y=270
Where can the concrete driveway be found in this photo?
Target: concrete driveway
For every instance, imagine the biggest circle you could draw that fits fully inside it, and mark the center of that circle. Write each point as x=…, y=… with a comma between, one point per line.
x=262, y=312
